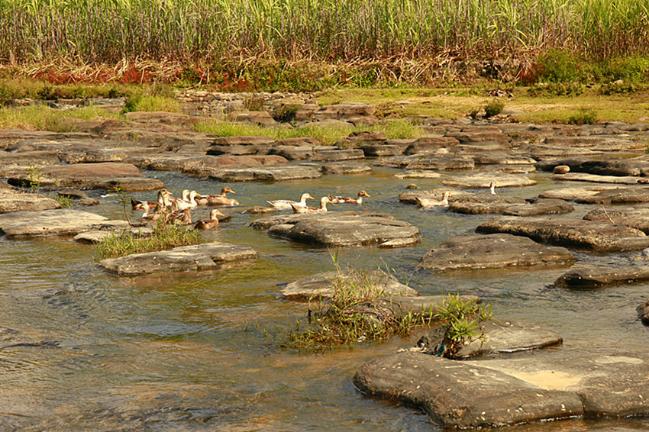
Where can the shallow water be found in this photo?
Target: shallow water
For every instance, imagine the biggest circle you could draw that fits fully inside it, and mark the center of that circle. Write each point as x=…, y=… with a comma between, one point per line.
x=201, y=351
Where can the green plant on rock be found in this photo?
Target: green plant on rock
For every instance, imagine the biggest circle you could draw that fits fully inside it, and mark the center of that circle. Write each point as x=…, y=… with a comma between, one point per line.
x=357, y=312
x=165, y=236
x=583, y=117
x=461, y=320
x=254, y=103
x=64, y=201
x=617, y=87
x=556, y=89
x=493, y=108
x=34, y=177
x=285, y=113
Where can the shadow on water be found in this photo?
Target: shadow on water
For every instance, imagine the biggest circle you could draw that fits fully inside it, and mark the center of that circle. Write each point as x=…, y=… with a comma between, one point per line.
x=201, y=351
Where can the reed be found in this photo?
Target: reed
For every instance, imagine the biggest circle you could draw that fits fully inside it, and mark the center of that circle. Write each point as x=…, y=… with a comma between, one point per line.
x=110, y=31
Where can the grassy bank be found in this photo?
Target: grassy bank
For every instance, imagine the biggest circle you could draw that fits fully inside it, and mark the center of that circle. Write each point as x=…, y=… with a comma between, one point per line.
x=306, y=44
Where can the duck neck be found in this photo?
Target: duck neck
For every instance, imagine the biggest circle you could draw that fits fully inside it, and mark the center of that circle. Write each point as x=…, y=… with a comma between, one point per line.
x=359, y=200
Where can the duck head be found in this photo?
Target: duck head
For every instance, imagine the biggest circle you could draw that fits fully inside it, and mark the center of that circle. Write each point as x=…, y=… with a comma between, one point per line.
x=215, y=213
x=227, y=190
x=363, y=194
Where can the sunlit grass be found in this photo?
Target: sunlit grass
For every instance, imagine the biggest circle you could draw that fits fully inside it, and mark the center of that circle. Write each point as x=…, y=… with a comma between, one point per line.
x=42, y=117
x=327, y=133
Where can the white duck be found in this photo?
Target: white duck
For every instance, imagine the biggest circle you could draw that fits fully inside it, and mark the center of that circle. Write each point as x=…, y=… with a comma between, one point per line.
x=428, y=203
x=288, y=204
x=492, y=188
x=322, y=209
x=187, y=202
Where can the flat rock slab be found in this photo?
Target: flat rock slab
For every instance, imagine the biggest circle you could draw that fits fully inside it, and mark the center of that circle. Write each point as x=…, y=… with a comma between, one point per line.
x=339, y=228
x=511, y=206
x=606, y=165
x=207, y=256
x=499, y=337
x=13, y=200
x=592, y=178
x=484, y=180
x=108, y=175
x=496, y=251
x=418, y=174
x=586, y=276
x=577, y=194
x=596, y=236
x=269, y=174
x=99, y=235
x=48, y=223
x=631, y=217
x=321, y=285
x=346, y=168
x=491, y=393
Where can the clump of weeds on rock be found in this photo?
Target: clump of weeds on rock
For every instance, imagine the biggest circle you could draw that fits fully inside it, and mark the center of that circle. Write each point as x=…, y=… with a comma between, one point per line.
x=461, y=319
x=358, y=311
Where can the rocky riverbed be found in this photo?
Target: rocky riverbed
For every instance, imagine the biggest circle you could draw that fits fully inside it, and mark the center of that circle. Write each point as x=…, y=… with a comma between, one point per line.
x=192, y=338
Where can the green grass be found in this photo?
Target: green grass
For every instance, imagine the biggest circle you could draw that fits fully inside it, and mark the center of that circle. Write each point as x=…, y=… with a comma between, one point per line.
x=152, y=103
x=64, y=201
x=354, y=314
x=461, y=320
x=41, y=117
x=164, y=237
x=326, y=133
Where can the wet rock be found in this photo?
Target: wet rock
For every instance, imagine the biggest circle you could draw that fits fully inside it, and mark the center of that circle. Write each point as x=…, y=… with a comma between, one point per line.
x=499, y=337
x=550, y=385
x=631, y=217
x=512, y=206
x=12, y=200
x=463, y=394
x=496, y=251
x=485, y=179
x=91, y=176
x=321, y=286
x=48, y=223
x=561, y=169
x=338, y=228
x=418, y=174
x=586, y=276
x=596, y=236
x=619, y=195
x=207, y=256
x=30, y=158
x=346, y=168
x=269, y=174
x=99, y=235
x=643, y=313
x=592, y=178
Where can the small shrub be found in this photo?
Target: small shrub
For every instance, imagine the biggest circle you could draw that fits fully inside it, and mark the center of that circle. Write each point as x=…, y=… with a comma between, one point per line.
x=556, y=89
x=254, y=103
x=64, y=201
x=461, y=320
x=493, y=108
x=150, y=103
x=617, y=87
x=165, y=236
x=357, y=312
x=559, y=66
x=285, y=113
x=584, y=117
x=34, y=176
x=631, y=69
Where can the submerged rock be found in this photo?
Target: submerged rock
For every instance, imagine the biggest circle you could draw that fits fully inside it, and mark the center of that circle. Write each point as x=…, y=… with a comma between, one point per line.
x=279, y=173
x=99, y=235
x=207, y=256
x=631, y=217
x=48, y=223
x=418, y=174
x=339, y=228
x=595, y=276
x=490, y=393
x=496, y=251
x=596, y=236
x=321, y=285
x=577, y=194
